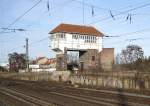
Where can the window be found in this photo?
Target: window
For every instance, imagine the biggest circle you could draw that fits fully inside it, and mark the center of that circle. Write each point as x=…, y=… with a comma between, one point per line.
x=75, y=36
x=93, y=58
x=85, y=38
x=82, y=36
x=61, y=35
x=51, y=37
x=90, y=39
x=94, y=39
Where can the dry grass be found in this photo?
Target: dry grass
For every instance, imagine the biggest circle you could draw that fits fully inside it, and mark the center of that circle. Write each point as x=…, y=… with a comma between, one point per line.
x=141, y=65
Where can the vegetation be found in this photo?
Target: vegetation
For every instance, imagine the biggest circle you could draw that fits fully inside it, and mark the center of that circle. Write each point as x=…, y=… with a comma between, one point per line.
x=131, y=54
x=17, y=61
x=2, y=69
x=142, y=65
x=132, y=58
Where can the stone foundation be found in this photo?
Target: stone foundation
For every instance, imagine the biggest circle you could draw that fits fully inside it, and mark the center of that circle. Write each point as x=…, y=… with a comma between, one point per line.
x=90, y=60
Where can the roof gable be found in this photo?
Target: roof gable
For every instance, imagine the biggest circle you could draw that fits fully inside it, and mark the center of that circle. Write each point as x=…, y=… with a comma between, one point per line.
x=83, y=30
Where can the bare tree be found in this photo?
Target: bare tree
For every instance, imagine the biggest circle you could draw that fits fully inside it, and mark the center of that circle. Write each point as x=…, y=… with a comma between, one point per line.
x=131, y=54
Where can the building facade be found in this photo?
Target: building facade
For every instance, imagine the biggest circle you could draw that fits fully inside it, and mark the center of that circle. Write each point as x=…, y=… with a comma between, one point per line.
x=76, y=46
x=43, y=64
x=75, y=37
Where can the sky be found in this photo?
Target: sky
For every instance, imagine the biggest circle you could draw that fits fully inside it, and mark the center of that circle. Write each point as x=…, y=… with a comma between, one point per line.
x=39, y=21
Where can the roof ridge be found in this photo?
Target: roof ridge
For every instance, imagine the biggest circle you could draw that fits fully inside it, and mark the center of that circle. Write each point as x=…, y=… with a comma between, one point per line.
x=77, y=25
x=74, y=28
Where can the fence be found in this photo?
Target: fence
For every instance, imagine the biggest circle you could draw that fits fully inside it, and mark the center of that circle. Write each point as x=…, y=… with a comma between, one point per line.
x=127, y=80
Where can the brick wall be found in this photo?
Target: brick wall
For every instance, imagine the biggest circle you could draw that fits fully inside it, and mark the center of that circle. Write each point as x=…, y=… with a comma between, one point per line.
x=89, y=59
x=61, y=61
x=107, y=58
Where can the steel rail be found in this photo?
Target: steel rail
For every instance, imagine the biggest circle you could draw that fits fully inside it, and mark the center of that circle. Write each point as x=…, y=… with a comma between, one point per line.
x=97, y=100
x=33, y=101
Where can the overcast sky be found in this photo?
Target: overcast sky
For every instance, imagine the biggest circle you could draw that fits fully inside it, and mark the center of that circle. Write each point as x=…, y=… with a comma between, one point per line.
x=39, y=21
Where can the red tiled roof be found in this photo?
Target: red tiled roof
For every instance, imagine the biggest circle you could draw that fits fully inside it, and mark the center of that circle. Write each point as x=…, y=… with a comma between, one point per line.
x=83, y=30
x=39, y=58
x=50, y=61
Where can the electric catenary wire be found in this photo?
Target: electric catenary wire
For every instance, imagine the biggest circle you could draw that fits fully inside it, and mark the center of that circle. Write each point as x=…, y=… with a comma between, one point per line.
x=123, y=12
x=21, y=16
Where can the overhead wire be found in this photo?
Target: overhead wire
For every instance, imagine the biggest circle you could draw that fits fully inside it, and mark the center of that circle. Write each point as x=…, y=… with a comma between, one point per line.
x=108, y=9
x=89, y=5
x=129, y=33
x=50, y=8
x=18, y=18
x=122, y=12
x=109, y=17
x=22, y=15
x=130, y=19
x=129, y=40
x=43, y=39
x=40, y=40
x=32, y=43
x=131, y=5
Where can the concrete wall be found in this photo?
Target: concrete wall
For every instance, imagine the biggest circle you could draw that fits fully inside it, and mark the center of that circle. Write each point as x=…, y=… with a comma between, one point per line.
x=107, y=58
x=112, y=81
x=120, y=79
x=60, y=75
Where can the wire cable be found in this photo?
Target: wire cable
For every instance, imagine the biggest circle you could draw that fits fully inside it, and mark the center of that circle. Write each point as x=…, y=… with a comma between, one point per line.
x=130, y=33
x=17, y=19
x=120, y=13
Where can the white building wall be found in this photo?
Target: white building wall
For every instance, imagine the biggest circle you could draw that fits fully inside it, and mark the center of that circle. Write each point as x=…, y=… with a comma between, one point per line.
x=71, y=43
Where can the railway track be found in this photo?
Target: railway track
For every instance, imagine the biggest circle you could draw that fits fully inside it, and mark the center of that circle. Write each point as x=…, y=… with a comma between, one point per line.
x=30, y=100
x=132, y=99
x=67, y=100
x=104, y=97
x=69, y=96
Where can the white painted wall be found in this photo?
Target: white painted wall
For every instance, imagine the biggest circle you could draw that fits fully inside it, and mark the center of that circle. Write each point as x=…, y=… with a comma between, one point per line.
x=71, y=43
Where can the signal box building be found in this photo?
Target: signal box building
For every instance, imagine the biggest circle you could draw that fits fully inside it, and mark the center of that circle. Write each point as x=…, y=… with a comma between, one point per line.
x=77, y=46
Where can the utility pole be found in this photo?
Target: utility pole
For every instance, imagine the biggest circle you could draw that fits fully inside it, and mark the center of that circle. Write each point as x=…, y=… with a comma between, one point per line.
x=27, y=55
x=83, y=11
